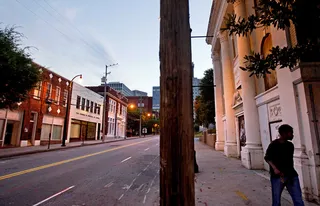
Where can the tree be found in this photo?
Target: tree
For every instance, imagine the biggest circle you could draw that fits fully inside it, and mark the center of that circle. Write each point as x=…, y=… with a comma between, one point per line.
x=301, y=15
x=18, y=73
x=204, y=105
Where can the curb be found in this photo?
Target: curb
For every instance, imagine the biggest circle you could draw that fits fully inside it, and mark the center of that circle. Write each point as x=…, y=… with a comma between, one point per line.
x=65, y=148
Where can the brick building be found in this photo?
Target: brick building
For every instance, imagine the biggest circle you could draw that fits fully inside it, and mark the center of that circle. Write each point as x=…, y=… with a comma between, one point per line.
x=116, y=117
x=40, y=116
x=145, y=103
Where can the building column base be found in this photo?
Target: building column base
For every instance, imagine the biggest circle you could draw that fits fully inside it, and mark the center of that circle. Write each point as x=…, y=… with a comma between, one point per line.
x=219, y=146
x=230, y=150
x=252, y=157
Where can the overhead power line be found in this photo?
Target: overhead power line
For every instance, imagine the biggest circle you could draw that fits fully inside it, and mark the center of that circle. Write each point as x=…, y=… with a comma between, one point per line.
x=65, y=35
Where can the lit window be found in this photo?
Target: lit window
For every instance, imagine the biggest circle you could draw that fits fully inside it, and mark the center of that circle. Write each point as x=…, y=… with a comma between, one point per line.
x=65, y=98
x=37, y=90
x=57, y=98
x=49, y=91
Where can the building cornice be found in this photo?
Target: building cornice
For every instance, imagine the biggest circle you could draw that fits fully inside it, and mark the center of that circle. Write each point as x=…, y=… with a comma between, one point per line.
x=116, y=98
x=218, y=10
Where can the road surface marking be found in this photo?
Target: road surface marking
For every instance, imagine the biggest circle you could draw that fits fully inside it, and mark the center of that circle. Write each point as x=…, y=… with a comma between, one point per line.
x=125, y=159
x=148, y=190
x=139, y=174
x=144, y=199
x=240, y=194
x=67, y=161
x=120, y=197
x=109, y=184
x=147, y=149
x=146, y=168
x=49, y=198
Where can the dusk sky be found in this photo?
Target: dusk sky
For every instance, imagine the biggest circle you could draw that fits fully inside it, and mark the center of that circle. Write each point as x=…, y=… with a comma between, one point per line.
x=74, y=37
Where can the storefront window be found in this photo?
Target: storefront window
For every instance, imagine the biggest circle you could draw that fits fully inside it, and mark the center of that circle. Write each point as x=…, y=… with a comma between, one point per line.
x=56, y=132
x=45, y=131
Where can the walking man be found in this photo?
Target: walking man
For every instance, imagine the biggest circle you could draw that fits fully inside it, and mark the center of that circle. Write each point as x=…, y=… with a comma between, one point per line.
x=279, y=156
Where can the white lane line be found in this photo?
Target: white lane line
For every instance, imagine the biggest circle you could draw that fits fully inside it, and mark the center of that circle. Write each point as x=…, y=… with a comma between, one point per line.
x=146, y=168
x=144, y=199
x=125, y=159
x=49, y=198
x=139, y=174
x=109, y=184
x=147, y=149
x=148, y=190
x=120, y=197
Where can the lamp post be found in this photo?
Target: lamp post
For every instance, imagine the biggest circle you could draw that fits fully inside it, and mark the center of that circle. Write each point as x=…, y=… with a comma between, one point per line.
x=66, y=119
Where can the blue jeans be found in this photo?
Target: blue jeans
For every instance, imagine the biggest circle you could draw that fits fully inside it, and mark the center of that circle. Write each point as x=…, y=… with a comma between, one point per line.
x=293, y=187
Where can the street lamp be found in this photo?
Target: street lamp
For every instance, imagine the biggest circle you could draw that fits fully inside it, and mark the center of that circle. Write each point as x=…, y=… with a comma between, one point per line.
x=66, y=119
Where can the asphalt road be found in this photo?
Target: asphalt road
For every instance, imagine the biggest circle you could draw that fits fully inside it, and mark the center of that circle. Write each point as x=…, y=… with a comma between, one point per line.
x=118, y=173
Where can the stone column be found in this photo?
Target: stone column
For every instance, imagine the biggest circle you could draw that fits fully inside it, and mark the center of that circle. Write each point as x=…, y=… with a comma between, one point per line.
x=218, y=95
x=252, y=153
x=230, y=147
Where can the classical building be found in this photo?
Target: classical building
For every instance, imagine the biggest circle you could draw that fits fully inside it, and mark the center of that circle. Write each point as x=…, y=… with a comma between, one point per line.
x=86, y=111
x=39, y=117
x=249, y=110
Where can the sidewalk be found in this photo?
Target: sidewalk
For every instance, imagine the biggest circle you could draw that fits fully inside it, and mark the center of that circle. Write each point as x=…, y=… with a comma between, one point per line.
x=224, y=181
x=18, y=151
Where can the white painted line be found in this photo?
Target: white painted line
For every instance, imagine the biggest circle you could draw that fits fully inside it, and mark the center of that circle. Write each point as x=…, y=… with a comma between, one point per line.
x=109, y=184
x=139, y=174
x=144, y=199
x=125, y=159
x=120, y=197
x=148, y=190
x=49, y=198
x=147, y=149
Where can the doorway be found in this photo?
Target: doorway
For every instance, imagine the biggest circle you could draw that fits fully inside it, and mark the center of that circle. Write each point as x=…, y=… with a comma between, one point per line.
x=8, y=135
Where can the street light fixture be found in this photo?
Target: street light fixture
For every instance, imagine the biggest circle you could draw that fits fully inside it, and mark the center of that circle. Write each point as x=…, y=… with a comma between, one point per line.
x=66, y=119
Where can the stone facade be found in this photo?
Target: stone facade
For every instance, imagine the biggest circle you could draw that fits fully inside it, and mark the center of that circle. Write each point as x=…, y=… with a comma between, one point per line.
x=249, y=110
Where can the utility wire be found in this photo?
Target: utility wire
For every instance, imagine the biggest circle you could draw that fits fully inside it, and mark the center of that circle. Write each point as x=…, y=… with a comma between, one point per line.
x=72, y=25
x=65, y=35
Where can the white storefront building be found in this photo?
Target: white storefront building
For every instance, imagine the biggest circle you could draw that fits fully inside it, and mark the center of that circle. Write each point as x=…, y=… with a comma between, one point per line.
x=249, y=109
x=86, y=114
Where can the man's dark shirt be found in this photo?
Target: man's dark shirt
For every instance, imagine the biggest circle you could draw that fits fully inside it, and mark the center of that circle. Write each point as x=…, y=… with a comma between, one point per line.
x=281, y=155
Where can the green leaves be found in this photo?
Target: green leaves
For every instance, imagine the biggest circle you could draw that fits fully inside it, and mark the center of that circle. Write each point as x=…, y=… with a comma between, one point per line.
x=18, y=73
x=279, y=57
x=303, y=15
x=204, y=104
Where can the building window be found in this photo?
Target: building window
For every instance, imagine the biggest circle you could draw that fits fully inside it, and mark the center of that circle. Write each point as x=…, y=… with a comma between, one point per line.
x=49, y=91
x=65, y=98
x=91, y=107
x=37, y=90
x=87, y=105
x=57, y=98
x=98, y=108
x=83, y=103
x=56, y=132
x=270, y=80
x=78, y=102
x=95, y=108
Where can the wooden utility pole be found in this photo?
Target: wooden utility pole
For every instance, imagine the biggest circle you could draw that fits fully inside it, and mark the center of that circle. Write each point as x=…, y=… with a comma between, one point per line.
x=176, y=132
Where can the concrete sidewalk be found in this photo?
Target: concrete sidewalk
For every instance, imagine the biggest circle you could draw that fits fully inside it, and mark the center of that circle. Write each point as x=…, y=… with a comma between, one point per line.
x=224, y=181
x=18, y=151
